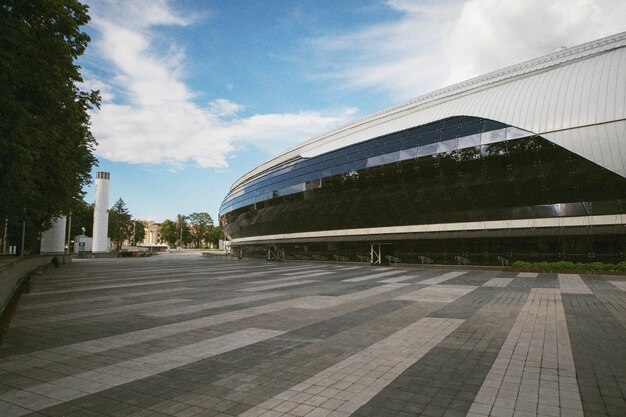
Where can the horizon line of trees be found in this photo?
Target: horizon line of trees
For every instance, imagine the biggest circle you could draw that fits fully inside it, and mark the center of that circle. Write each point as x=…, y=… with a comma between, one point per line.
x=196, y=230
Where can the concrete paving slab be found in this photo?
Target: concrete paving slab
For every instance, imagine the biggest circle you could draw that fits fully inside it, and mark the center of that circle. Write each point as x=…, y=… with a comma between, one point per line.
x=185, y=335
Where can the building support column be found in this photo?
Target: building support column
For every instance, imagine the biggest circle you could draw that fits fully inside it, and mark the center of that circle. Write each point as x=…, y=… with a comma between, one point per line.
x=375, y=253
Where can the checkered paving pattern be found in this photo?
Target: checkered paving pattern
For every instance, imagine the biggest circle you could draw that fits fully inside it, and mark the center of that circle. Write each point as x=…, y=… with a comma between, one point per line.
x=183, y=335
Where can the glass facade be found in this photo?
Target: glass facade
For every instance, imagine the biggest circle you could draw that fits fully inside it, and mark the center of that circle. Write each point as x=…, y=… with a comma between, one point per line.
x=461, y=169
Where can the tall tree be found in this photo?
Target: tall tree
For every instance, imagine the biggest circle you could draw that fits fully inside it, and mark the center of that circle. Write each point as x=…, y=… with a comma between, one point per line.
x=167, y=232
x=120, y=224
x=214, y=235
x=82, y=219
x=139, y=232
x=46, y=148
x=200, y=225
x=182, y=230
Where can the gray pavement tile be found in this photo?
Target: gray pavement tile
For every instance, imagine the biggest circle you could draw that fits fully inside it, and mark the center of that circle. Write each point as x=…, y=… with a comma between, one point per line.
x=12, y=410
x=92, y=322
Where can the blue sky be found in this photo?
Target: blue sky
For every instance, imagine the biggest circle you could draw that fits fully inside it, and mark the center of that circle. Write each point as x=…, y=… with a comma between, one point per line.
x=197, y=93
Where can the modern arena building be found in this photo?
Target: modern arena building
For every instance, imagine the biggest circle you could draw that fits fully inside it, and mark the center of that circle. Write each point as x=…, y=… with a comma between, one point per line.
x=525, y=163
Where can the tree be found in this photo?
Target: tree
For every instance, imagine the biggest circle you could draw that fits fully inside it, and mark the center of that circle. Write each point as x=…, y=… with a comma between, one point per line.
x=200, y=226
x=139, y=232
x=46, y=148
x=167, y=232
x=120, y=224
x=82, y=219
x=182, y=230
x=214, y=235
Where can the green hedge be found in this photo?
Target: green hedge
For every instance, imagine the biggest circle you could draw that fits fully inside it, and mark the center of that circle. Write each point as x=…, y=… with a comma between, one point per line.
x=572, y=266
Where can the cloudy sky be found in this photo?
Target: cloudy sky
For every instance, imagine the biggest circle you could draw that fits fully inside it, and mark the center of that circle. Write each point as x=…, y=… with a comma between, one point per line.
x=198, y=92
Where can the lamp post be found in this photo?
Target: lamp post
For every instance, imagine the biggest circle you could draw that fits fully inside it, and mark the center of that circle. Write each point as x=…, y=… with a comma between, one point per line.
x=69, y=233
x=23, y=237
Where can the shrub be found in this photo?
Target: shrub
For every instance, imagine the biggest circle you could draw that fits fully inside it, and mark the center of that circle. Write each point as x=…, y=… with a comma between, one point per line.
x=569, y=266
x=521, y=265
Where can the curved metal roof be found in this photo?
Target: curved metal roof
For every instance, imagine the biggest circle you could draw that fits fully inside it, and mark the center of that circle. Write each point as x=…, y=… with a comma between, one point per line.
x=575, y=97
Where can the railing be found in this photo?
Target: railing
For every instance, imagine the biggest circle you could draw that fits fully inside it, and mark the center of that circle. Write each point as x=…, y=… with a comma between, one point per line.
x=392, y=259
x=219, y=255
x=503, y=261
x=301, y=257
x=425, y=259
x=462, y=260
x=363, y=258
x=340, y=258
x=17, y=270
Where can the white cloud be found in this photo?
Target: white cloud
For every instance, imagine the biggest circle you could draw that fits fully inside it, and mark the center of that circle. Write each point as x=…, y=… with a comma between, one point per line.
x=398, y=56
x=90, y=82
x=224, y=107
x=137, y=13
x=491, y=34
x=275, y=132
x=433, y=44
x=149, y=115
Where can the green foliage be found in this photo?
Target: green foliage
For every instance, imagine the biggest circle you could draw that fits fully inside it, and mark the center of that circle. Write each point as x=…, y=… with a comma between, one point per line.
x=569, y=266
x=82, y=219
x=182, y=230
x=120, y=225
x=196, y=228
x=214, y=235
x=167, y=232
x=521, y=265
x=139, y=232
x=46, y=148
x=200, y=228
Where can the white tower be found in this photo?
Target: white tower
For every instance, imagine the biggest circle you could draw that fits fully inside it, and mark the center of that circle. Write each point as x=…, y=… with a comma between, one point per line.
x=53, y=239
x=101, y=214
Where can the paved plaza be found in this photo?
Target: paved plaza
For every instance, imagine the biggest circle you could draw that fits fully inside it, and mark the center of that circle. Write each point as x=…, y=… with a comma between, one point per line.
x=184, y=335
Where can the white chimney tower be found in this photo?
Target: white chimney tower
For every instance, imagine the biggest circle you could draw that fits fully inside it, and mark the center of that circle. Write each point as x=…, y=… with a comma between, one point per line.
x=101, y=214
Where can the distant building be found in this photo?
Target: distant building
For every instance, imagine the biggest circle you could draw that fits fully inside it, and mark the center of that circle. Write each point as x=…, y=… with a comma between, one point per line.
x=150, y=240
x=82, y=245
x=528, y=162
x=152, y=233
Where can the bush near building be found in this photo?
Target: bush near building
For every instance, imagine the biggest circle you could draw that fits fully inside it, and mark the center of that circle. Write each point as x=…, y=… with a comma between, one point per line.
x=570, y=266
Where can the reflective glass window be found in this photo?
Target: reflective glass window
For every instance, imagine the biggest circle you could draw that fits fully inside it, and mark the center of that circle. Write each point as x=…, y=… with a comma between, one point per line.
x=356, y=165
x=313, y=184
x=409, y=153
x=383, y=159
x=428, y=149
x=387, y=148
x=447, y=145
x=334, y=170
x=474, y=127
x=411, y=142
x=492, y=136
x=448, y=134
x=296, y=188
x=492, y=125
x=469, y=141
x=429, y=137
x=515, y=133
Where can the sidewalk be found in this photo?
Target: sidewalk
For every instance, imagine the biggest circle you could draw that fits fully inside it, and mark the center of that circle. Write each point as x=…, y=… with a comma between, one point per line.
x=185, y=335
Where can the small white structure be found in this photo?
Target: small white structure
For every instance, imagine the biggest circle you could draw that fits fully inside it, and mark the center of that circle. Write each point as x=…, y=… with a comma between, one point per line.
x=101, y=214
x=82, y=244
x=53, y=239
